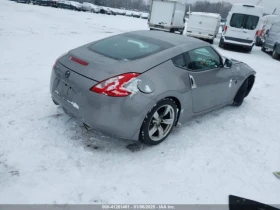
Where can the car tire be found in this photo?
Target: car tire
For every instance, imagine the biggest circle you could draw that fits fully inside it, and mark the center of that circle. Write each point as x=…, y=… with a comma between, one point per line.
x=263, y=48
x=275, y=54
x=182, y=31
x=258, y=41
x=153, y=130
x=172, y=30
x=250, y=49
x=211, y=41
x=240, y=95
x=221, y=43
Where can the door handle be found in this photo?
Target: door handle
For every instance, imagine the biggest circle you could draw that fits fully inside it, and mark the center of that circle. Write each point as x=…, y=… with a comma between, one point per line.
x=193, y=83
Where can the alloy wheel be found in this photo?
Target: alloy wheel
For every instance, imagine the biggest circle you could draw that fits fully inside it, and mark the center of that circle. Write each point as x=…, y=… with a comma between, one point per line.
x=161, y=123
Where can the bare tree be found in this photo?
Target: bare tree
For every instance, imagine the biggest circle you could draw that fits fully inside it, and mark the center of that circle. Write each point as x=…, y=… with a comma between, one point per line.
x=221, y=8
x=199, y=6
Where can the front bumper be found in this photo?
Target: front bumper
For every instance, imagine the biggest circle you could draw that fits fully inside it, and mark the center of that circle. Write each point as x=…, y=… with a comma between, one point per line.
x=118, y=116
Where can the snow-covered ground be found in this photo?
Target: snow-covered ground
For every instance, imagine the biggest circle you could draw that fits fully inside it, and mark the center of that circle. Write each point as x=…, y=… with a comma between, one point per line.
x=46, y=157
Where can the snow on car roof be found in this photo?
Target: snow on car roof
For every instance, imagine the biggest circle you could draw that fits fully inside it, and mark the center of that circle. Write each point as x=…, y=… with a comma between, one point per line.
x=179, y=1
x=206, y=14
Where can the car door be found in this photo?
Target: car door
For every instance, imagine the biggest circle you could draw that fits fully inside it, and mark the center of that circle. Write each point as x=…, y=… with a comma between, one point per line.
x=210, y=81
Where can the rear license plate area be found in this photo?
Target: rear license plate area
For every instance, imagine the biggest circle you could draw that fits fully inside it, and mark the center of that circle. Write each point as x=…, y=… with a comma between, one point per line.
x=65, y=90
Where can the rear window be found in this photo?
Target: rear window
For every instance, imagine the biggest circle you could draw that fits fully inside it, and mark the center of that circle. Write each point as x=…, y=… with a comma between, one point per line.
x=244, y=21
x=129, y=47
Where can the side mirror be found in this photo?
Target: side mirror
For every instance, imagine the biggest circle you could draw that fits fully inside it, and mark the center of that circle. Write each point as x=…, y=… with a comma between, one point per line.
x=227, y=63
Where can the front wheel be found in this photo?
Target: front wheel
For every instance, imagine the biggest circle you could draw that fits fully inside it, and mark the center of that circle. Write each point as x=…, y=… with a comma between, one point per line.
x=241, y=94
x=159, y=122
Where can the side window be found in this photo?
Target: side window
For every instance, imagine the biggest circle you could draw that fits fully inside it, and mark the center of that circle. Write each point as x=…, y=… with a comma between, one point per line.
x=204, y=58
x=179, y=61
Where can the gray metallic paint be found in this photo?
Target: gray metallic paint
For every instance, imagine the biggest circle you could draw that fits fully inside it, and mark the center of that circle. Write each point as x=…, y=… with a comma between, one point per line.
x=124, y=116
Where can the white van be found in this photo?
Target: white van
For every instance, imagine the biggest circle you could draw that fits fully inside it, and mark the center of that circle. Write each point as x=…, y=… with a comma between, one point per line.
x=265, y=24
x=167, y=15
x=203, y=25
x=242, y=26
x=272, y=40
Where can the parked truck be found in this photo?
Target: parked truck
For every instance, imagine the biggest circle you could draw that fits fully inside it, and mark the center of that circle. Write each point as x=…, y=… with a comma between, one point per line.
x=167, y=15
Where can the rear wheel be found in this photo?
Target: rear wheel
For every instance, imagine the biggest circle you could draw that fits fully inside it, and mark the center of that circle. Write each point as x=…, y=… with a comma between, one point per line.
x=275, y=55
x=249, y=49
x=172, y=30
x=263, y=48
x=241, y=94
x=221, y=43
x=159, y=122
x=182, y=31
x=258, y=41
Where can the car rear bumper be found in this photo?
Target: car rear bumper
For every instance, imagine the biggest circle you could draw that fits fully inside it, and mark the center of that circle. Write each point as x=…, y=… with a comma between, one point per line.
x=118, y=116
x=163, y=28
x=238, y=42
x=200, y=36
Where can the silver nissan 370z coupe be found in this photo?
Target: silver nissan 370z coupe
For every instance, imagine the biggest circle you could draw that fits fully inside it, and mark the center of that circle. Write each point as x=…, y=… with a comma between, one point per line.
x=139, y=85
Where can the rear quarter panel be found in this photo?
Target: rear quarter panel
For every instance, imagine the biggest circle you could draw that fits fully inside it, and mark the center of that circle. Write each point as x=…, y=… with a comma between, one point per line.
x=170, y=81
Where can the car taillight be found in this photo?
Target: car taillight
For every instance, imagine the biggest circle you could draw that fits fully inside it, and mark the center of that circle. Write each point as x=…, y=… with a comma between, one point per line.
x=226, y=28
x=79, y=61
x=257, y=32
x=118, y=86
x=261, y=33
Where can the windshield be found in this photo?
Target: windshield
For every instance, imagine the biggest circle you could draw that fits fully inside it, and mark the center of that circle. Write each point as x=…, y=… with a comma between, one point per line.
x=244, y=21
x=128, y=47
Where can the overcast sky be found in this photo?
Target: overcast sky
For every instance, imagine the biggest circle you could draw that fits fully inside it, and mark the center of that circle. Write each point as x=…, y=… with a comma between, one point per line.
x=269, y=5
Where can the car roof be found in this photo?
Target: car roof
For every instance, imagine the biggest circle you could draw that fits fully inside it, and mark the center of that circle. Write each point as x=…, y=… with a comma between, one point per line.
x=174, y=39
